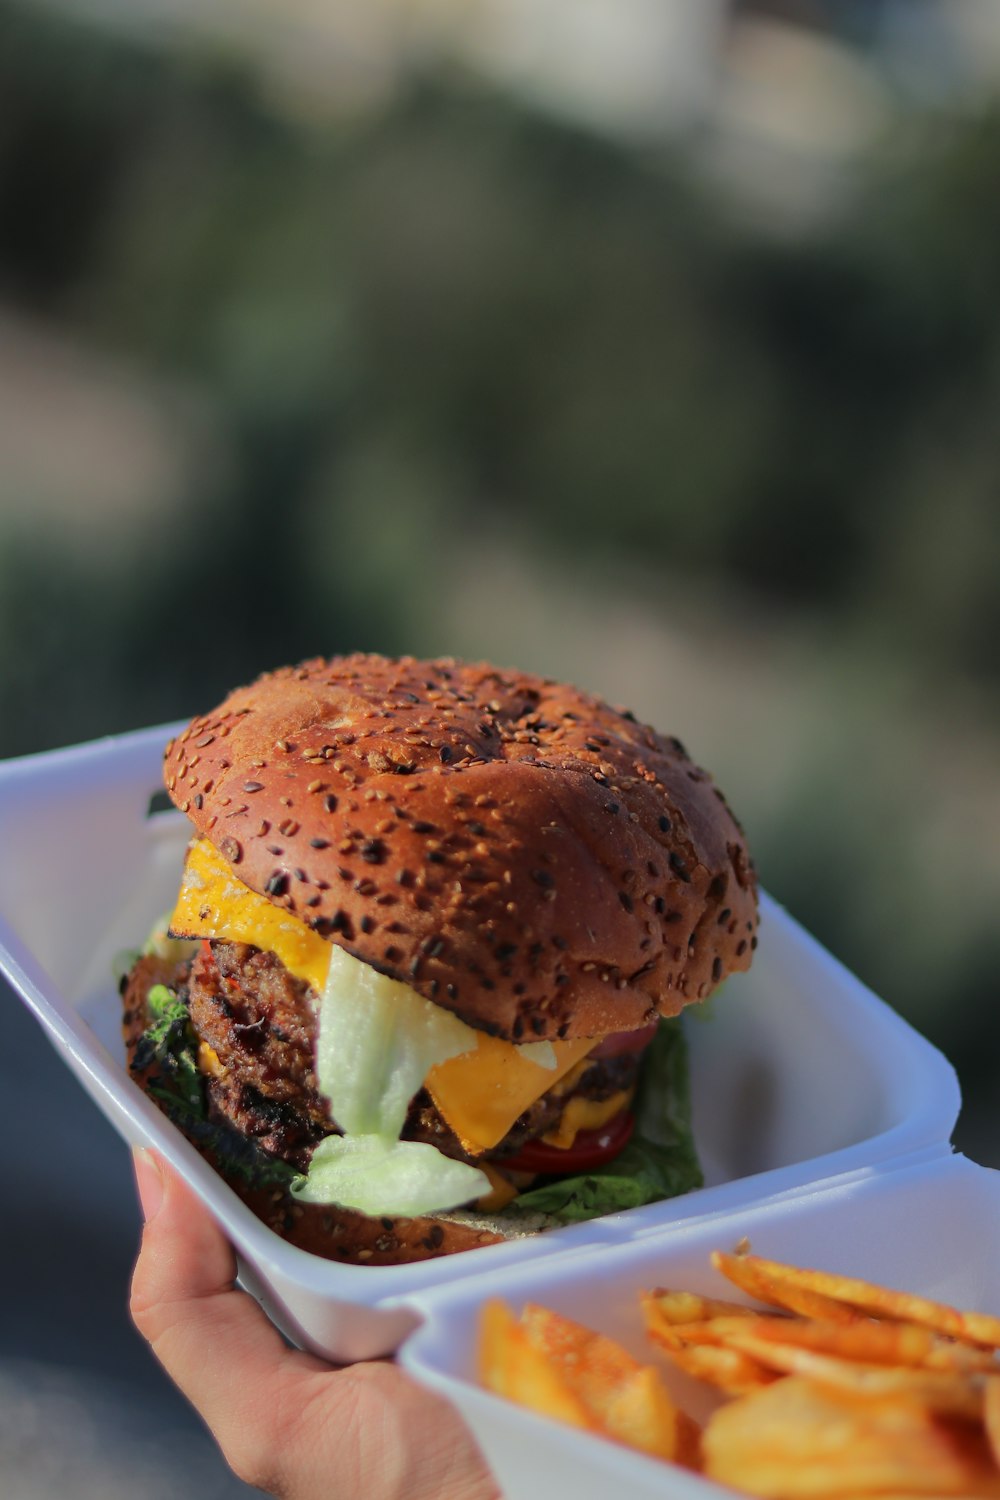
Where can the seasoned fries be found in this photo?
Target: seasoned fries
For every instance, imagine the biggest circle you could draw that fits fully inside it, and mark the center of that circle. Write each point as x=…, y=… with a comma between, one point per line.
x=837, y=1389
x=565, y=1371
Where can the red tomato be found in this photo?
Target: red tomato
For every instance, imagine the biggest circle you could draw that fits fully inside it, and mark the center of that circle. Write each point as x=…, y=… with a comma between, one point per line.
x=591, y=1148
x=625, y=1041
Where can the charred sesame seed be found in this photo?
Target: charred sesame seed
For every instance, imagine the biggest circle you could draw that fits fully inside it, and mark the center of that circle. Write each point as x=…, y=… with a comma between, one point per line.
x=231, y=849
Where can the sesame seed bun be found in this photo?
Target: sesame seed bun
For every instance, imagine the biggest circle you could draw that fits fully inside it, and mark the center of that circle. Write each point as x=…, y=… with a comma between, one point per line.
x=515, y=850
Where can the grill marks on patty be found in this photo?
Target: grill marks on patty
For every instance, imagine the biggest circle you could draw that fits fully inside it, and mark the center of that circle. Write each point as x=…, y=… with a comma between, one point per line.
x=260, y=1023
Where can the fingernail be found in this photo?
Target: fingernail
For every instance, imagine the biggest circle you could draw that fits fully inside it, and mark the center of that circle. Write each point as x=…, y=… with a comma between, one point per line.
x=148, y=1181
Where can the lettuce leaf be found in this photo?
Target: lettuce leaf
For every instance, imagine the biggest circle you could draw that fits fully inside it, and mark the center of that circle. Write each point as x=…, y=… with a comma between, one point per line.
x=170, y=1045
x=660, y=1161
x=378, y=1040
x=376, y=1176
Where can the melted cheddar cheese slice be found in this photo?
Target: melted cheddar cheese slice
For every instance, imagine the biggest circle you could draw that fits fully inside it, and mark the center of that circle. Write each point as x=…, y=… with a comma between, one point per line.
x=214, y=904
x=480, y=1093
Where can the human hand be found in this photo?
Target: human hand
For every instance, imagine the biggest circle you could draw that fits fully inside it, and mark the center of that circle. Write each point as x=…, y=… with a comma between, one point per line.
x=286, y=1422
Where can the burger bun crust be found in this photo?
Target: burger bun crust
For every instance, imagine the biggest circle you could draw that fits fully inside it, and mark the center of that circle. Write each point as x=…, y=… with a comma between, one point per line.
x=517, y=851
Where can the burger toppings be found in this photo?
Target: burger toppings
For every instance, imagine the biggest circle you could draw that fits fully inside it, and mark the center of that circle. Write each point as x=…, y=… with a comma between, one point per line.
x=445, y=919
x=379, y=1176
x=377, y=1037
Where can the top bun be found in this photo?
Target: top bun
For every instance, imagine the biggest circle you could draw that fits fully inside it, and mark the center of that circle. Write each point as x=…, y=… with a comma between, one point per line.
x=515, y=850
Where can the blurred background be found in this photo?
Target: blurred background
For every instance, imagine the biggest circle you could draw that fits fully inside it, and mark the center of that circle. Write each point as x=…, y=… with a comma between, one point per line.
x=650, y=344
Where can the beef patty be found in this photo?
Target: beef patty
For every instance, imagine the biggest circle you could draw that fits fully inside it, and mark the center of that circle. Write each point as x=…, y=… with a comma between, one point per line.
x=258, y=1025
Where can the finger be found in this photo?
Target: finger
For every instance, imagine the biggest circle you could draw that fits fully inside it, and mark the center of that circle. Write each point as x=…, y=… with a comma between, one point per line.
x=185, y=1302
x=286, y=1421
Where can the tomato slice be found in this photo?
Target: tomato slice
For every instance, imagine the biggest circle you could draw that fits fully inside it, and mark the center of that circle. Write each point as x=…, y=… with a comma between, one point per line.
x=591, y=1148
x=620, y=1042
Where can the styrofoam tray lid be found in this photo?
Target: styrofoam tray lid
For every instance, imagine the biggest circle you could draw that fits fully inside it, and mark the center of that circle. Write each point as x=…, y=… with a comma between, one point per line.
x=931, y=1227
x=799, y=1072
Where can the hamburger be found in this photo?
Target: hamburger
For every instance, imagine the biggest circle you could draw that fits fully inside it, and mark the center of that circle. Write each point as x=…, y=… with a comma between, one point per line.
x=436, y=923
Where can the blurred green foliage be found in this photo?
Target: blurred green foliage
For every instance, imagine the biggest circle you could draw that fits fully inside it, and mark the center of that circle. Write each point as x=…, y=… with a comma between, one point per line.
x=456, y=311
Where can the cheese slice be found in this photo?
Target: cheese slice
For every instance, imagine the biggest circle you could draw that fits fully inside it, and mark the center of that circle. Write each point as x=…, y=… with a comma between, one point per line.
x=586, y=1114
x=214, y=904
x=483, y=1094
x=480, y=1093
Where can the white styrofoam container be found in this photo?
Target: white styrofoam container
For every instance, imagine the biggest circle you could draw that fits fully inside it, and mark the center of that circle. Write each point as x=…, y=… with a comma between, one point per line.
x=799, y=1073
x=931, y=1227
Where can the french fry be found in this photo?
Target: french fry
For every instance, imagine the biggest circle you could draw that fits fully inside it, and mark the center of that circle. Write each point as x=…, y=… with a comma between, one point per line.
x=689, y=1307
x=727, y=1369
x=755, y=1277
x=790, y=1286
x=798, y=1440
x=557, y=1366
x=947, y=1392
x=991, y=1416
x=511, y=1366
x=864, y=1340
x=846, y=1391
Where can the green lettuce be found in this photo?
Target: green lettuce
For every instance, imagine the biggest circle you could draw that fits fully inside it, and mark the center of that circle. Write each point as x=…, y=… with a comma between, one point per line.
x=379, y=1176
x=170, y=1045
x=660, y=1161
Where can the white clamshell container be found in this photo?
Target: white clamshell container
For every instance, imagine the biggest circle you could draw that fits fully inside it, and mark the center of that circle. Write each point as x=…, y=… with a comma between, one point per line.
x=931, y=1226
x=802, y=1079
